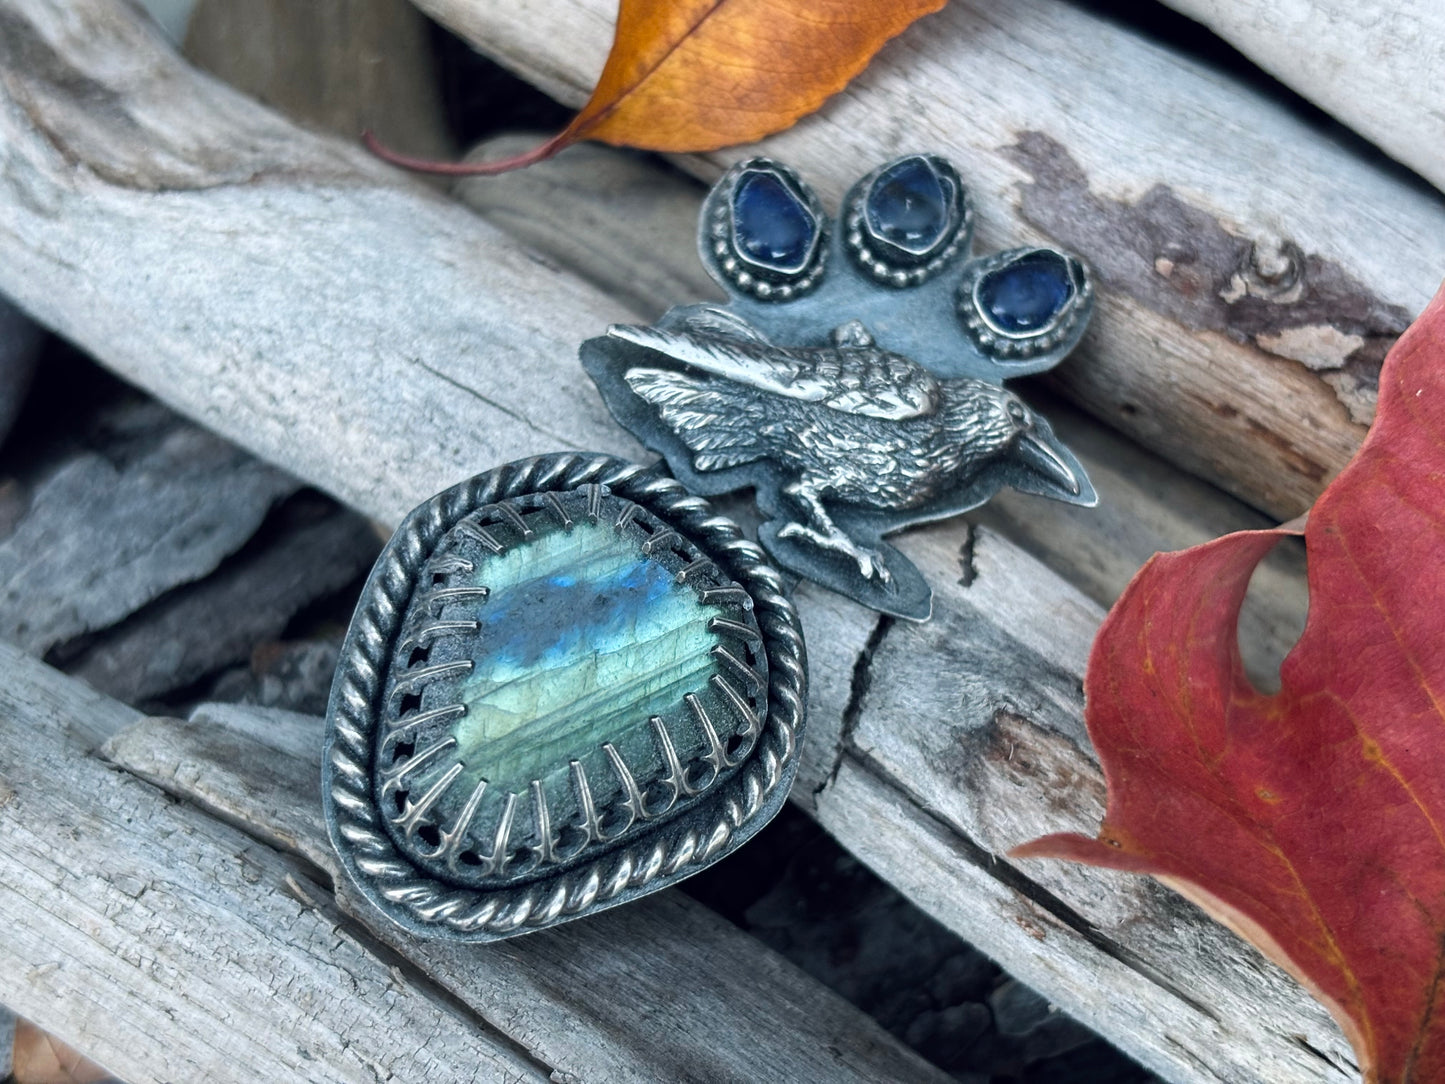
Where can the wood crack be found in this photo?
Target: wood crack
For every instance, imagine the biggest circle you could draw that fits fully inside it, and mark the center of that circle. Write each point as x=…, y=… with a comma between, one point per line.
x=974, y=853
x=495, y=405
x=858, y=690
x=320, y=894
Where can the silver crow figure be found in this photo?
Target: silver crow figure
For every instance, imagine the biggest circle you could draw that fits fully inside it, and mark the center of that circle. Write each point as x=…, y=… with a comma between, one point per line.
x=848, y=423
x=851, y=381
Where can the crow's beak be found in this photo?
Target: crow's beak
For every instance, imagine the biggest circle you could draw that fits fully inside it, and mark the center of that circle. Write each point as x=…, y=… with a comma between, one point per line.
x=1054, y=470
x=1047, y=462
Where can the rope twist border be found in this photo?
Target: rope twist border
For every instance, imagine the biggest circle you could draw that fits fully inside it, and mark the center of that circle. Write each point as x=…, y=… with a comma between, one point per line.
x=678, y=847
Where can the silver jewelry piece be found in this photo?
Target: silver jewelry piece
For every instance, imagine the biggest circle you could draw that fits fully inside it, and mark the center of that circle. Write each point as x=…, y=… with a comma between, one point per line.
x=567, y=683
x=854, y=380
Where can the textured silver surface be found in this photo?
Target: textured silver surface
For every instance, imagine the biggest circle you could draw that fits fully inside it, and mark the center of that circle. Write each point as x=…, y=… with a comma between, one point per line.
x=857, y=394
x=732, y=809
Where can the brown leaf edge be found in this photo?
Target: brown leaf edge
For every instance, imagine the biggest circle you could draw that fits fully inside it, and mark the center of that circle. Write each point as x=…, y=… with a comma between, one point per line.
x=38, y=1057
x=594, y=112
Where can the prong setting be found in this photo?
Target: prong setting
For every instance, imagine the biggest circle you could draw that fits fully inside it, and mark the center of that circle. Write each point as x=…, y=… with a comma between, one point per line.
x=497, y=852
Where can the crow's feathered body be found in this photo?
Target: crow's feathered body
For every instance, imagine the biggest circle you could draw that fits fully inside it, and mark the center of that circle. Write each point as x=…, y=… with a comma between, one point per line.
x=845, y=456
x=852, y=422
x=847, y=424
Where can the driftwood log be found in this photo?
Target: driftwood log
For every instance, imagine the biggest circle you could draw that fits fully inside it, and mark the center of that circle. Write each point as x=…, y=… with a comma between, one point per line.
x=382, y=342
x=190, y=634
x=181, y=503
x=171, y=946
x=134, y=925
x=1252, y=269
x=342, y=66
x=143, y=553
x=1377, y=68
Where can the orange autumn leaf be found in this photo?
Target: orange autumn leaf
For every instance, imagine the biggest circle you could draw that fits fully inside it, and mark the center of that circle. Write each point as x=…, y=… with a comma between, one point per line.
x=695, y=75
x=1311, y=821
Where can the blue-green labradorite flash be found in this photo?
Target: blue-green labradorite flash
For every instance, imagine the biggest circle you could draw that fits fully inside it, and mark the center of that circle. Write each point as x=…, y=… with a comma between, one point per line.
x=567, y=683
x=582, y=640
x=573, y=671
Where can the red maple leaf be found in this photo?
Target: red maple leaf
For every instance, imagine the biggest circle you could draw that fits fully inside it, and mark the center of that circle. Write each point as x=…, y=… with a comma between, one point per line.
x=1310, y=821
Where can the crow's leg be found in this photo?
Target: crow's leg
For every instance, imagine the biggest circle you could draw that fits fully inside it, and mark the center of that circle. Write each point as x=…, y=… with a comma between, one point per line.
x=821, y=531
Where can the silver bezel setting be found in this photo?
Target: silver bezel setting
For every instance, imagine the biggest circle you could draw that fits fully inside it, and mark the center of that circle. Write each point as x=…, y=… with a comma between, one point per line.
x=625, y=866
x=892, y=265
x=721, y=252
x=1006, y=345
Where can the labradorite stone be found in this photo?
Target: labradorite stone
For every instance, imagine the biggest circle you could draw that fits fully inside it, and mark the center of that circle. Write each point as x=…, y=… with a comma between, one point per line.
x=582, y=640
x=908, y=205
x=1024, y=295
x=771, y=225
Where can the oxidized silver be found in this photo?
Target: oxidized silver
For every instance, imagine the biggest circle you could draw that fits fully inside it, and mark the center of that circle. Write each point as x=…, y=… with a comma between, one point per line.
x=855, y=381
x=500, y=864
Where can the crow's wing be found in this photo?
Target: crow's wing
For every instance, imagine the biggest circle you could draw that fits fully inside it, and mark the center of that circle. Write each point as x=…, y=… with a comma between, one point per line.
x=720, y=422
x=851, y=379
x=710, y=320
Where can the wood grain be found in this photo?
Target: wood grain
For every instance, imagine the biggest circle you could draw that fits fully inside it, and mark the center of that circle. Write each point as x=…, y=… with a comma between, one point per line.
x=169, y=946
x=342, y=67
x=618, y=997
x=283, y=275
x=968, y=739
x=1377, y=67
x=103, y=536
x=1252, y=268
x=196, y=631
x=621, y=221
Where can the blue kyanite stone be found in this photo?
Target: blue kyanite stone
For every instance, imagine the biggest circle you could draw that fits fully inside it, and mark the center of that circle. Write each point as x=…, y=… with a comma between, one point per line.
x=771, y=226
x=908, y=205
x=1022, y=297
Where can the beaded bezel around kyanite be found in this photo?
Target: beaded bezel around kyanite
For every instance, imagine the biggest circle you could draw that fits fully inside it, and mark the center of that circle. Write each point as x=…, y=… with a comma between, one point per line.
x=567, y=683
x=763, y=196
x=908, y=220
x=1050, y=312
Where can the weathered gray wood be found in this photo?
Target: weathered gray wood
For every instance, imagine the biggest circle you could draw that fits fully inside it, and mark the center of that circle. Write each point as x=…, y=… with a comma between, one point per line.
x=1197, y=202
x=622, y=221
x=967, y=740
x=1085, y=974
x=289, y=277
x=383, y=380
x=341, y=67
x=661, y=990
x=290, y=675
x=197, y=630
x=170, y=947
x=1379, y=67
x=1147, y=506
x=171, y=16
x=100, y=539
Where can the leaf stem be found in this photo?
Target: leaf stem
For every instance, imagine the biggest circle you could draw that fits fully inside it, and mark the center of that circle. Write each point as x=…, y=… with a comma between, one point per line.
x=539, y=153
